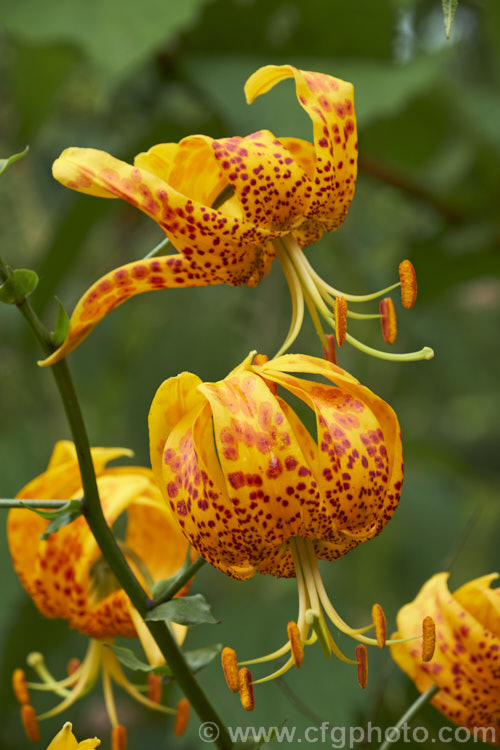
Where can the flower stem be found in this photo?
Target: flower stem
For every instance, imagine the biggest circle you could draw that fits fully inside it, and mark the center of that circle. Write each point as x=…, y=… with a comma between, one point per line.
x=177, y=584
x=94, y=516
x=410, y=713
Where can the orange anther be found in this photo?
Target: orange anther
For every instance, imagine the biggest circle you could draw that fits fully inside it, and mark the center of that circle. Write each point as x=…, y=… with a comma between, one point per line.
x=388, y=320
x=119, y=738
x=246, y=689
x=408, y=281
x=428, y=638
x=30, y=723
x=295, y=643
x=230, y=667
x=182, y=717
x=154, y=688
x=340, y=313
x=362, y=660
x=73, y=665
x=329, y=352
x=379, y=621
x=260, y=359
x=20, y=687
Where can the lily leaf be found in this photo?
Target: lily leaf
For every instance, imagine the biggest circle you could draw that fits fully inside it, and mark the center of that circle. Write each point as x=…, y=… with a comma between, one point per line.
x=19, y=284
x=58, y=335
x=58, y=518
x=4, y=163
x=449, y=10
x=196, y=659
x=186, y=610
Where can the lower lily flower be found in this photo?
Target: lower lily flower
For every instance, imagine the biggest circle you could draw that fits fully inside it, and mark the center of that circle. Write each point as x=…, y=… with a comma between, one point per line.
x=254, y=492
x=232, y=205
x=67, y=577
x=66, y=740
x=466, y=665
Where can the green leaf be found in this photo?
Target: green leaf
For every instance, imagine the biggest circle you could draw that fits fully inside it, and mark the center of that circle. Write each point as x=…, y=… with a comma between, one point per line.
x=18, y=286
x=58, y=335
x=185, y=610
x=4, y=163
x=161, y=587
x=196, y=660
x=449, y=10
x=58, y=518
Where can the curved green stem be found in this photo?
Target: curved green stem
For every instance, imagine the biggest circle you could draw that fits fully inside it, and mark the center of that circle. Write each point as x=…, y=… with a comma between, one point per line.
x=177, y=584
x=410, y=713
x=41, y=504
x=92, y=511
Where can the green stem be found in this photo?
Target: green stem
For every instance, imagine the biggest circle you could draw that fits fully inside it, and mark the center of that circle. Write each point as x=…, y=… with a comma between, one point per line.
x=159, y=249
x=410, y=713
x=177, y=584
x=42, y=504
x=92, y=511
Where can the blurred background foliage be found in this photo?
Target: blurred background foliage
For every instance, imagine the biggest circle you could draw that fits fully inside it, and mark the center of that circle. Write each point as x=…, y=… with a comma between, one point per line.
x=120, y=76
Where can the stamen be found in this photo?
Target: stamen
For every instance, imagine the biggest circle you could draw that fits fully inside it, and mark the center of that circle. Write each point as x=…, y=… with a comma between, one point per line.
x=118, y=676
x=30, y=723
x=246, y=689
x=296, y=295
x=108, y=695
x=230, y=667
x=35, y=661
x=425, y=353
x=20, y=686
x=340, y=312
x=380, y=624
x=361, y=656
x=295, y=643
x=181, y=717
x=286, y=666
x=155, y=688
x=428, y=638
x=329, y=352
x=408, y=279
x=388, y=320
x=317, y=623
x=119, y=738
x=73, y=666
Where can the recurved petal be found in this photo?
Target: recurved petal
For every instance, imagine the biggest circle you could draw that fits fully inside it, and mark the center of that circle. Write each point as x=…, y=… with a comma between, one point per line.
x=196, y=493
x=169, y=272
x=329, y=102
x=175, y=398
x=266, y=475
x=481, y=601
x=270, y=184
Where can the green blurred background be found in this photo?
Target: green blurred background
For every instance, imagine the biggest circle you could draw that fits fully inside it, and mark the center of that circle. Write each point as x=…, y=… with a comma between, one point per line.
x=120, y=76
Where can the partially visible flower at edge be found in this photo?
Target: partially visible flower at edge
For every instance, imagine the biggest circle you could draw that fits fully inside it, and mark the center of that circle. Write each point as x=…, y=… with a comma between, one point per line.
x=254, y=492
x=466, y=665
x=230, y=206
x=67, y=577
x=66, y=740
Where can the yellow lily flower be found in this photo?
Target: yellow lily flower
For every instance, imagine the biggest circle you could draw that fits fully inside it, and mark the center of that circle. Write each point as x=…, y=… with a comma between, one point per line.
x=67, y=577
x=254, y=492
x=230, y=206
x=466, y=665
x=66, y=740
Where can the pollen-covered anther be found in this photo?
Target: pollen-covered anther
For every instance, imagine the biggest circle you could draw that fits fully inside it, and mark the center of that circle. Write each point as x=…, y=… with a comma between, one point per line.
x=30, y=723
x=340, y=314
x=230, y=667
x=20, y=687
x=362, y=659
x=408, y=279
x=329, y=352
x=295, y=643
x=119, y=738
x=428, y=638
x=73, y=666
x=154, y=688
x=246, y=689
x=380, y=624
x=181, y=717
x=388, y=320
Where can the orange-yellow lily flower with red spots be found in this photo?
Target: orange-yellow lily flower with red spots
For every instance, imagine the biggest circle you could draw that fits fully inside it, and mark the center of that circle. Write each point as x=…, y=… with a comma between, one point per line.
x=66, y=740
x=254, y=492
x=67, y=577
x=223, y=203
x=466, y=663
